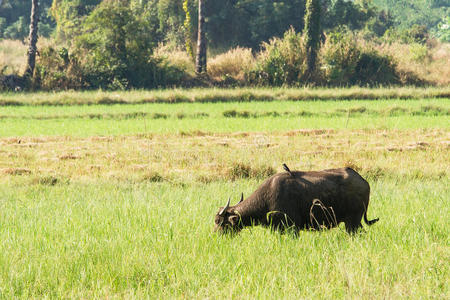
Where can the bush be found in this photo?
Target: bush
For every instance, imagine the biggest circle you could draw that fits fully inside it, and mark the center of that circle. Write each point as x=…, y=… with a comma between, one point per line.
x=175, y=57
x=415, y=34
x=175, y=67
x=234, y=63
x=114, y=51
x=443, y=30
x=374, y=68
x=419, y=52
x=347, y=63
x=12, y=82
x=57, y=69
x=281, y=62
x=340, y=56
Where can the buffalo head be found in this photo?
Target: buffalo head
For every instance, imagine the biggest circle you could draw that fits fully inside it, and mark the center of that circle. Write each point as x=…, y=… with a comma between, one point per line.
x=228, y=219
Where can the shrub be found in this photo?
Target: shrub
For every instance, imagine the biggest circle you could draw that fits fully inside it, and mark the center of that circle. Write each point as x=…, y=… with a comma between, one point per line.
x=174, y=66
x=281, y=62
x=347, y=63
x=443, y=31
x=12, y=82
x=374, y=68
x=17, y=30
x=340, y=56
x=419, y=52
x=57, y=69
x=176, y=58
x=114, y=50
x=415, y=34
x=234, y=63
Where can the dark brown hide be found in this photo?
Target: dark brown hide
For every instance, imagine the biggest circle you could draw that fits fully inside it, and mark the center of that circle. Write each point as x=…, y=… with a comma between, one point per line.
x=316, y=200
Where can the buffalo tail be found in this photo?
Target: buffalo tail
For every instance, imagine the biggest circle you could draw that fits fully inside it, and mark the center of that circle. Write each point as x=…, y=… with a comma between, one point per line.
x=370, y=222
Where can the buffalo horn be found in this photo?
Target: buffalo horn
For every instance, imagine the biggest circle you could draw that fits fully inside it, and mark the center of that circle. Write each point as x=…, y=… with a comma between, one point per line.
x=225, y=208
x=242, y=198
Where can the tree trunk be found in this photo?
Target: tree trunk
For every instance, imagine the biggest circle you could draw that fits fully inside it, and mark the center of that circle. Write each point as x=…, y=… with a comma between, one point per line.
x=200, y=62
x=312, y=33
x=31, y=61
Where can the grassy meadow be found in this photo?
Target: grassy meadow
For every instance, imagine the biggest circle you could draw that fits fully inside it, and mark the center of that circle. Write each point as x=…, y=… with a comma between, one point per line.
x=117, y=199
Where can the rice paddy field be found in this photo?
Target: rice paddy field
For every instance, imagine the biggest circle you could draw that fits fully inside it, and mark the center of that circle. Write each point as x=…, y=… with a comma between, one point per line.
x=104, y=198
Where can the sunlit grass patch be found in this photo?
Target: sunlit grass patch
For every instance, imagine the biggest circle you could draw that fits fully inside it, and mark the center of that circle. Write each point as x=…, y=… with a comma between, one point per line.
x=208, y=157
x=163, y=118
x=156, y=239
x=218, y=95
x=118, y=201
x=241, y=171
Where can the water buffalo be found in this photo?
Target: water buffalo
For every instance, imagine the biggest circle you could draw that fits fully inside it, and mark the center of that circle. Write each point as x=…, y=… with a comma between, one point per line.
x=301, y=200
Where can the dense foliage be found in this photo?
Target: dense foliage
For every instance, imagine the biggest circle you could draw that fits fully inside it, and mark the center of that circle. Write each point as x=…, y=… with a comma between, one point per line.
x=347, y=63
x=416, y=12
x=69, y=14
x=111, y=44
x=282, y=62
x=231, y=22
x=113, y=50
x=15, y=18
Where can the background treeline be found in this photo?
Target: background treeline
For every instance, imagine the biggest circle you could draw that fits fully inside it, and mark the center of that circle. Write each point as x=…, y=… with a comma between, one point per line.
x=233, y=23
x=142, y=43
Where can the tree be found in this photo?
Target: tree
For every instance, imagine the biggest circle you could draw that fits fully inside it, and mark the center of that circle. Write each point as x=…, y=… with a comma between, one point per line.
x=200, y=62
x=443, y=32
x=69, y=16
x=187, y=29
x=415, y=12
x=312, y=33
x=248, y=23
x=115, y=47
x=16, y=25
x=34, y=20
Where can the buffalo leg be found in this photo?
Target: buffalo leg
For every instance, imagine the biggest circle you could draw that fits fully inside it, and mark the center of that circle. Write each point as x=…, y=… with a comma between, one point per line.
x=279, y=221
x=352, y=224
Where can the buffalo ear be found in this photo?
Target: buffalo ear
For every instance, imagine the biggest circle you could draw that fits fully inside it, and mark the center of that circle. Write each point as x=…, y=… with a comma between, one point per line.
x=234, y=220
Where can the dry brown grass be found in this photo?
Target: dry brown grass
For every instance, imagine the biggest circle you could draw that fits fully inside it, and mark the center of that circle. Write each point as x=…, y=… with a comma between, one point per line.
x=210, y=157
x=431, y=64
x=175, y=57
x=234, y=63
x=12, y=56
x=220, y=95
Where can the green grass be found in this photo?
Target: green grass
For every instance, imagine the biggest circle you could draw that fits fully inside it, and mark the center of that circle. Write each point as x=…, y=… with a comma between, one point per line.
x=218, y=95
x=212, y=117
x=112, y=127
x=118, y=201
x=104, y=240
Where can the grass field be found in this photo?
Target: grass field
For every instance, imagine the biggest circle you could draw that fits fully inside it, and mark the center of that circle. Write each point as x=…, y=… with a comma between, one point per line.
x=118, y=201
